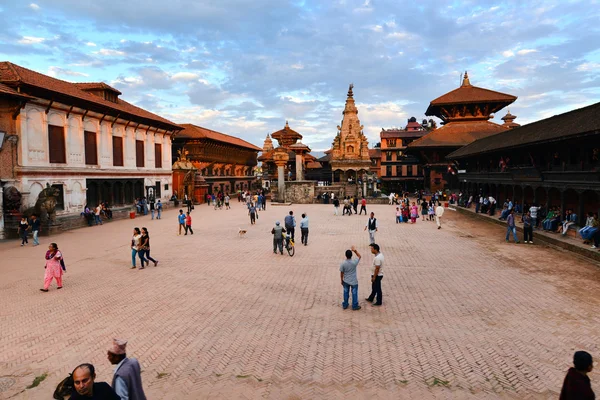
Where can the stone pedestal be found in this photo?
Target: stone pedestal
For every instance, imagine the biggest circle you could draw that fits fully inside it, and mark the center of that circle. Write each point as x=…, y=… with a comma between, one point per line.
x=299, y=167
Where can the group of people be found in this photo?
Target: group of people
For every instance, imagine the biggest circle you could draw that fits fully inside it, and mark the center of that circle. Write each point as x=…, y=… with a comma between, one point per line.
x=94, y=215
x=126, y=382
x=350, y=204
x=140, y=247
x=289, y=228
x=33, y=225
x=349, y=278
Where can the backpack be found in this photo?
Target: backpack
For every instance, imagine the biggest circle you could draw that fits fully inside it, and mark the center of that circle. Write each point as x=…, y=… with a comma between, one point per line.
x=64, y=388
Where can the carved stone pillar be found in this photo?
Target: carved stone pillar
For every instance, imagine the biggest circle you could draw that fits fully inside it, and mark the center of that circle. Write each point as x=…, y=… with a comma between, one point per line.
x=280, y=157
x=299, y=165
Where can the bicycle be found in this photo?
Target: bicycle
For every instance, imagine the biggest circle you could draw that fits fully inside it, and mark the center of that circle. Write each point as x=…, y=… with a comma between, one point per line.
x=289, y=245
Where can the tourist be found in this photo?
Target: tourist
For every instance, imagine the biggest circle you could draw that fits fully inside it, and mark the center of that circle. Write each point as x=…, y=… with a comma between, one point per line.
x=349, y=279
x=252, y=212
x=23, y=230
x=492, y=201
x=533, y=210
x=36, y=228
x=145, y=249
x=355, y=205
x=590, y=228
x=181, y=220
x=97, y=212
x=346, y=202
x=86, y=387
x=570, y=219
x=363, y=206
x=290, y=224
x=527, y=228
x=414, y=213
x=376, y=296
x=398, y=215
x=135, y=246
x=439, y=212
x=336, y=205
x=430, y=212
x=54, y=267
x=208, y=198
x=127, y=380
x=577, y=385
x=405, y=212
x=190, y=205
x=159, y=208
x=227, y=198
x=188, y=224
x=304, y=229
x=424, y=210
x=511, y=227
x=138, y=205
x=277, y=233
x=373, y=226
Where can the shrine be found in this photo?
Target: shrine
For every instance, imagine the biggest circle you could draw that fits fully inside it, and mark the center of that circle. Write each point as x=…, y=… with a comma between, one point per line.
x=465, y=113
x=350, y=161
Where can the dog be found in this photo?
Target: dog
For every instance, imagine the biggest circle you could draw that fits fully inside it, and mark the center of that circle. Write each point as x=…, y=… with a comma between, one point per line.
x=241, y=232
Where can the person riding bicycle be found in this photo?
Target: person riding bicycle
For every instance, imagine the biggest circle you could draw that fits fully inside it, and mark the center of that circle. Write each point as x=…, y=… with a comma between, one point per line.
x=278, y=232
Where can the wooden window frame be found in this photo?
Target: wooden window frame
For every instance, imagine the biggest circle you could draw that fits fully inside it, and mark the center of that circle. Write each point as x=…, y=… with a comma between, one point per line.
x=89, y=156
x=140, y=156
x=55, y=157
x=157, y=155
x=116, y=139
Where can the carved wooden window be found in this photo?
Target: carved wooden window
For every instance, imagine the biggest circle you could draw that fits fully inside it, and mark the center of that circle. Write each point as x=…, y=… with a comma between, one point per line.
x=157, y=155
x=91, y=148
x=139, y=153
x=388, y=156
x=117, y=151
x=56, y=144
x=391, y=142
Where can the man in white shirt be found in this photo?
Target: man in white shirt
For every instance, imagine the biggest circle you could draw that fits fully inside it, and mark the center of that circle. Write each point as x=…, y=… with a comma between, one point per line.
x=97, y=214
x=439, y=211
x=376, y=297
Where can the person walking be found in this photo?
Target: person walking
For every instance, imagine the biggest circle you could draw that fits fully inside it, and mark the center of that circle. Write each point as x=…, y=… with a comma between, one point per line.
x=135, y=246
x=373, y=226
x=304, y=229
x=127, y=379
x=181, y=220
x=23, y=230
x=54, y=267
x=227, y=198
x=376, y=296
x=355, y=205
x=145, y=249
x=252, y=212
x=188, y=224
x=577, y=385
x=36, y=228
x=398, y=215
x=510, y=226
x=158, y=207
x=336, y=205
x=424, y=210
x=349, y=279
x=277, y=233
x=527, y=228
x=414, y=213
x=290, y=224
x=152, y=209
x=97, y=212
x=439, y=212
x=363, y=206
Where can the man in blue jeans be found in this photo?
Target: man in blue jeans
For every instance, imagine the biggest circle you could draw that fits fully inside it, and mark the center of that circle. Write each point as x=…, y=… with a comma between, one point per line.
x=510, y=226
x=349, y=280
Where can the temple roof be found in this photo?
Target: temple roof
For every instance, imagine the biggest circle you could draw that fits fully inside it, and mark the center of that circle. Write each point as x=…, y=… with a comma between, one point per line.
x=573, y=123
x=95, y=86
x=374, y=153
x=469, y=94
x=14, y=75
x=286, y=136
x=198, y=132
x=401, y=133
x=457, y=134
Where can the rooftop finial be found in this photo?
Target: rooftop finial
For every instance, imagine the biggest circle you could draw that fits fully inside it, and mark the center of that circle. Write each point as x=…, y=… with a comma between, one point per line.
x=286, y=124
x=466, y=81
x=350, y=94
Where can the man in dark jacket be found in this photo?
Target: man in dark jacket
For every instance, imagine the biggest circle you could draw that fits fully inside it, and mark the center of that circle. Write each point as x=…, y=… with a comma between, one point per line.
x=127, y=381
x=576, y=385
x=84, y=377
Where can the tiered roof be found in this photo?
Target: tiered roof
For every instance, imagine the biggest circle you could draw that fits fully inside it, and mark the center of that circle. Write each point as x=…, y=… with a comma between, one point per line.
x=197, y=132
x=286, y=136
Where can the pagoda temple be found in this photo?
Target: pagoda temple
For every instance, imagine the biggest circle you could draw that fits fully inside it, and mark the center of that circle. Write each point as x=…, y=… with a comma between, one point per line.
x=350, y=149
x=465, y=113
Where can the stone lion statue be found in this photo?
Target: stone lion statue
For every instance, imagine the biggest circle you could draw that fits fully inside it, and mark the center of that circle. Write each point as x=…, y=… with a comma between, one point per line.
x=12, y=199
x=45, y=206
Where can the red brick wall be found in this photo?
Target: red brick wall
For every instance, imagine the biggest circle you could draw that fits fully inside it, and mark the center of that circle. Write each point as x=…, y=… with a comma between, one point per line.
x=8, y=152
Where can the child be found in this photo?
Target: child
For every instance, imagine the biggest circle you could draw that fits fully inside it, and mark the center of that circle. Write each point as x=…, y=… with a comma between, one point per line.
x=404, y=213
x=398, y=215
x=431, y=212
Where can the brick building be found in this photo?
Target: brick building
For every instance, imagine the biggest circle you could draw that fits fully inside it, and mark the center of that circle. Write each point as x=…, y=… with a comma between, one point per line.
x=82, y=139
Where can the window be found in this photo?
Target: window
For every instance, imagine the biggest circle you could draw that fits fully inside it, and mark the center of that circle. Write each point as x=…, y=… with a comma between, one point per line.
x=56, y=144
x=60, y=199
x=388, y=156
x=91, y=148
x=391, y=142
x=409, y=170
x=157, y=155
x=117, y=151
x=139, y=153
x=388, y=170
x=157, y=190
x=398, y=154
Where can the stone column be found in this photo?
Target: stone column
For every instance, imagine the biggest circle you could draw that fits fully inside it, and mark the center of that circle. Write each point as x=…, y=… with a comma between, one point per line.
x=280, y=181
x=299, y=165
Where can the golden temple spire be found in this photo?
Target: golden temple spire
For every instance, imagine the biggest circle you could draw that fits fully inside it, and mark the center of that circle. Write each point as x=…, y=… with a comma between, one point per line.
x=466, y=81
x=350, y=94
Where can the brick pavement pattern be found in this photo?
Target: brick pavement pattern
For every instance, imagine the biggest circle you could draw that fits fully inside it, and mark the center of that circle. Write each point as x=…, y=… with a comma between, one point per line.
x=465, y=315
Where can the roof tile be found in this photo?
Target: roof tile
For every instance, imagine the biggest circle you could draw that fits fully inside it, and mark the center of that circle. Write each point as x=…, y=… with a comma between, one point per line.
x=197, y=132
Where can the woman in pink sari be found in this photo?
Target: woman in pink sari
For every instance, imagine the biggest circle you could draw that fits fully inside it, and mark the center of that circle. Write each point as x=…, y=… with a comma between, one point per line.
x=414, y=213
x=53, y=267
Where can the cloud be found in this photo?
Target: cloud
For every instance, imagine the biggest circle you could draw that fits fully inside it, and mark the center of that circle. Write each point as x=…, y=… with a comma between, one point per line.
x=526, y=51
x=58, y=71
x=185, y=76
x=110, y=52
x=31, y=40
x=34, y=7
x=91, y=44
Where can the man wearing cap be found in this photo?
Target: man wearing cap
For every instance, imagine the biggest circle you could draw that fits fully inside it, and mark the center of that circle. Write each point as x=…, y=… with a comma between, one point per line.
x=376, y=276
x=127, y=381
x=278, y=232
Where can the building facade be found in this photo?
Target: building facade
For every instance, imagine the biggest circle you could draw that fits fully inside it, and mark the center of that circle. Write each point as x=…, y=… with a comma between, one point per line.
x=401, y=171
x=554, y=162
x=81, y=139
x=225, y=163
x=465, y=113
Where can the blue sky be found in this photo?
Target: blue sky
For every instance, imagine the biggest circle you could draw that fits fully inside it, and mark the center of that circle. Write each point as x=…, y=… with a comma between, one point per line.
x=245, y=67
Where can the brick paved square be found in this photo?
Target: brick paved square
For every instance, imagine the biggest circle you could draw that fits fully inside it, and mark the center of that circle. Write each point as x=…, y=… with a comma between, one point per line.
x=465, y=315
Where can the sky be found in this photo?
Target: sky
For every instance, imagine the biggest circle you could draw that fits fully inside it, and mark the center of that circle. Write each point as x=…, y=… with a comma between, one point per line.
x=246, y=67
